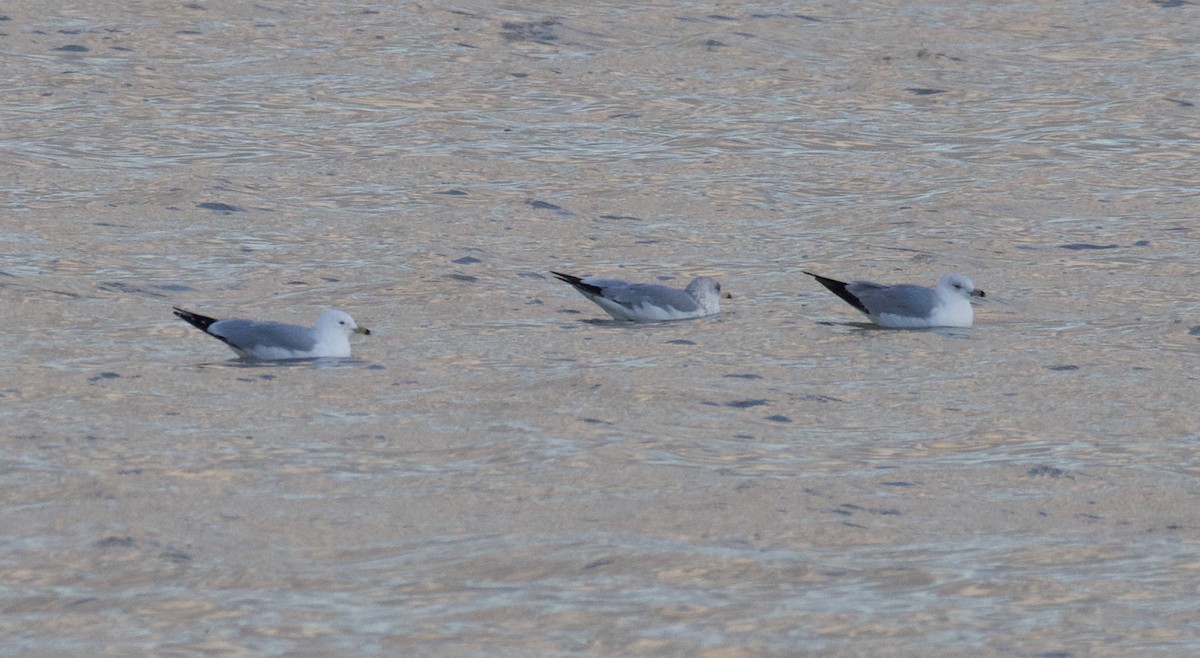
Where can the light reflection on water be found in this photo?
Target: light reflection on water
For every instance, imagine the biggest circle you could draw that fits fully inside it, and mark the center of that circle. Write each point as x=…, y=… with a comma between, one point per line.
x=501, y=469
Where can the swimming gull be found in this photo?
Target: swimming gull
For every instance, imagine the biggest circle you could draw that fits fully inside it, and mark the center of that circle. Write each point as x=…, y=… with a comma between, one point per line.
x=908, y=306
x=645, y=302
x=250, y=339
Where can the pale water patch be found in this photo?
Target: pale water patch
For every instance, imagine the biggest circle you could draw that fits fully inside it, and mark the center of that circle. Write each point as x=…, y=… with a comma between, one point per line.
x=495, y=472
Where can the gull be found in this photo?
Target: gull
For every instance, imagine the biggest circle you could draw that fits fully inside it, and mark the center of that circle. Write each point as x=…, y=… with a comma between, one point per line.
x=645, y=302
x=250, y=339
x=908, y=306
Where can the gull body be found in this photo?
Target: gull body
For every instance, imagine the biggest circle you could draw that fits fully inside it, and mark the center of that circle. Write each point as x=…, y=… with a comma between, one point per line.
x=645, y=302
x=908, y=306
x=252, y=339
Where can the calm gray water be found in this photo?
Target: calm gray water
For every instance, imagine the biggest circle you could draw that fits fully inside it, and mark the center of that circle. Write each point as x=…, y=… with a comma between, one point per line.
x=500, y=471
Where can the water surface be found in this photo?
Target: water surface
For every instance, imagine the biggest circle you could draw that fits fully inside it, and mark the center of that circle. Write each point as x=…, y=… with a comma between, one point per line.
x=498, y=474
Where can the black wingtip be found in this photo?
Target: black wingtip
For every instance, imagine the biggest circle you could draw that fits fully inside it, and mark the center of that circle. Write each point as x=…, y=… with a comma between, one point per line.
x=573, y=280
x=201, y=322
x=578, y=283
x=833, y=284
x=825, y=281
x=839, y=288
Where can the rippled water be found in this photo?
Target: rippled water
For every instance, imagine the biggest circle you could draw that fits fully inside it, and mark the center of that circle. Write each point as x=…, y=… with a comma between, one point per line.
x=500, y=471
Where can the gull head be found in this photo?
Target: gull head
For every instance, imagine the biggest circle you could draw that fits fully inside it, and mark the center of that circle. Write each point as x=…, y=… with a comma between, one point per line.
x=707, y=293
x=337, y=321
x=959, y=284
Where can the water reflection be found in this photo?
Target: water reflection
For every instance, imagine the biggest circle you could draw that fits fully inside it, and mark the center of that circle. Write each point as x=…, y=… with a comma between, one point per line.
x=495, y=473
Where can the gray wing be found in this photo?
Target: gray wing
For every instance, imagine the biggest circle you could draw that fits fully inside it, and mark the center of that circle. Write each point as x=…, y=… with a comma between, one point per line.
x=248, y=335
x=634, y=295
x=907, y=300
